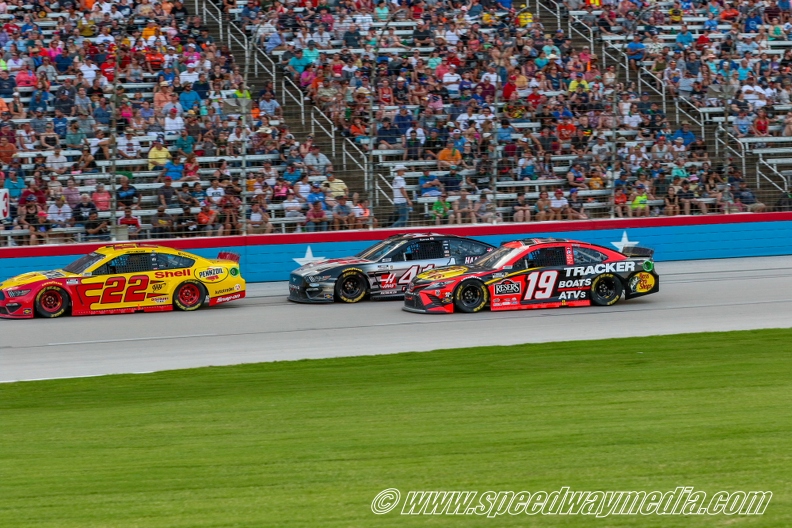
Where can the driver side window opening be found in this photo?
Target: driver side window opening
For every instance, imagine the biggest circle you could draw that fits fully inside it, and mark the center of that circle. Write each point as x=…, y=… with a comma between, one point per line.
x=424, y=250
x=552, y=256
x=128, y=263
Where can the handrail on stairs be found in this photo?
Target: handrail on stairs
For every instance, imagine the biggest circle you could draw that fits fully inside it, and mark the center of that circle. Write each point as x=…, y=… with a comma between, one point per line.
x=379, y=189
x=320, y=119
x=773, y=170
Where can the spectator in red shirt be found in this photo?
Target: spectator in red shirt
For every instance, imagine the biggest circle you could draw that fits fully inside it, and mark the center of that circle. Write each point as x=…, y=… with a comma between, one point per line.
x=316, y=217
x=132, y=223
x=565, y=130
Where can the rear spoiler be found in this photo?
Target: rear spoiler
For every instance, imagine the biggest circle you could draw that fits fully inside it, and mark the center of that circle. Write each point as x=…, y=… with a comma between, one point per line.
x=635, y=251
x=229, y=255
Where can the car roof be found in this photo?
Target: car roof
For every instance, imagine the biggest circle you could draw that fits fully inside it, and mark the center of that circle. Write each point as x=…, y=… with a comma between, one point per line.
x=527, y=242
x=413, y=236
x=114, y=249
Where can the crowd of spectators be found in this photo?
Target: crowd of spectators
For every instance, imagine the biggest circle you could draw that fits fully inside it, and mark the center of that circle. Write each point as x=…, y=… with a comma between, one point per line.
x=481, y=94
x=512, y=100
x=145, y=89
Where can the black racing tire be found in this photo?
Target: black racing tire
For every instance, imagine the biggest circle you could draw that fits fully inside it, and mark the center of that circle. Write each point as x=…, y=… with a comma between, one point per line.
x=471, y=296
x=189, y=296
x=606, y=290
x=351, y=286
x=52, y=301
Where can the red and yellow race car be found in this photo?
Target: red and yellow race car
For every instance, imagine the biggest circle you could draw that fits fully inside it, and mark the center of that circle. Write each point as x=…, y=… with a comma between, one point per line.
x=124, y=278
x=536, y=273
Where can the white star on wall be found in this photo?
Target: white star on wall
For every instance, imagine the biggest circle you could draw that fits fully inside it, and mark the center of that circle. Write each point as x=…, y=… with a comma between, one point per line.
x=624, y=242
x=308, y=258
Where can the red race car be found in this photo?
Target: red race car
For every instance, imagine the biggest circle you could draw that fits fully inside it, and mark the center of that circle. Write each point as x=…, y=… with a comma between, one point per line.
x=536, y=273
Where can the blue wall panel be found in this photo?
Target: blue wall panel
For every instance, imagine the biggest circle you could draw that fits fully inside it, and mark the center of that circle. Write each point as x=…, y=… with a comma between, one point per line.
x=273, y=262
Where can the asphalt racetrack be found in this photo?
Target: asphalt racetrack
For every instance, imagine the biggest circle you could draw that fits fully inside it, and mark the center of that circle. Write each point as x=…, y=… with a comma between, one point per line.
x=695, y=296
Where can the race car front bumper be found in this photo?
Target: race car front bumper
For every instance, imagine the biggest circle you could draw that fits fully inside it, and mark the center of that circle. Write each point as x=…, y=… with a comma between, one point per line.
x=302, y=291
x=16, y=308
x=424, y=302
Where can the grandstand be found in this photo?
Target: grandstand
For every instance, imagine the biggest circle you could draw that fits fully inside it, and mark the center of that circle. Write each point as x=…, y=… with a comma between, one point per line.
x=127, y=103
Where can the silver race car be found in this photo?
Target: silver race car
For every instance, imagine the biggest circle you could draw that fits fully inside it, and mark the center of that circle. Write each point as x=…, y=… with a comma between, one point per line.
x=382, y=271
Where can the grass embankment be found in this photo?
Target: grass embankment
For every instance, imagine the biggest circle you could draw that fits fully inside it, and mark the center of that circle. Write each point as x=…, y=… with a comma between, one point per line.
x=310, y=443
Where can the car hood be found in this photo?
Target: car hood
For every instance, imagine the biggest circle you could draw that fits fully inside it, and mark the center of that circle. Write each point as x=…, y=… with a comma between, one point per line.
x=448, y=272
x=36, y=276
x=326, y=265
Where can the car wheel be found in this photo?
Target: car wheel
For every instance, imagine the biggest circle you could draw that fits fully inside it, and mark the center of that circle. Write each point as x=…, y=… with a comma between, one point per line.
x=606, y=290
x=351, y=286
x=52, y=301
x=471, y=296
x=189, y=296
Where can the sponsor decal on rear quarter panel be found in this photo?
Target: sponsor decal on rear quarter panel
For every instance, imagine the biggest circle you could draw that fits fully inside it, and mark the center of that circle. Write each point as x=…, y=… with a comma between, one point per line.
x=213, y=274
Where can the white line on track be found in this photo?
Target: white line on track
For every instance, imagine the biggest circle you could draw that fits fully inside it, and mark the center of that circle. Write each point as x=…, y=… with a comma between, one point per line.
x=130, y=339
x=75, y=377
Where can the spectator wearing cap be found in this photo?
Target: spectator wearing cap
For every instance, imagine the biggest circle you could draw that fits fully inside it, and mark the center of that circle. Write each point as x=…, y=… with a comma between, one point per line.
x=430, y=184
x=316, y=195
x=311, y=53
x=559, y=206
x=401, y=200
x=403, y=120
x=158, y=155
x=343, y=217
x=190, y=75
x=129, y=145
x=685, y=133
x=189, y=99
x=316, y=162
x=173, y=121
x=316, y=219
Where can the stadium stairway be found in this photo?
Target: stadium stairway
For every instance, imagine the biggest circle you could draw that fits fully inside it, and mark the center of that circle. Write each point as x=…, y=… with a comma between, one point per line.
x=292, y=115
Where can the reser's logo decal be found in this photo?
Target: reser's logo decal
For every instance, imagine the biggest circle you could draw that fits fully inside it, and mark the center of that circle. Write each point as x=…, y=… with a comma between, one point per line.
x=508, y=287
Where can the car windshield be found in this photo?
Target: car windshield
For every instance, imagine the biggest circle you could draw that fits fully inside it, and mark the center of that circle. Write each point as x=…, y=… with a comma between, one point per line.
x=497, y=258
x=83, y=263
x=379, y=250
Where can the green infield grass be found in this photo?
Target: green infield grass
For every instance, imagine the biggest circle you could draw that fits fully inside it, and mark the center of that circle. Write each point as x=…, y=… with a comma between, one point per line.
x=310, y=443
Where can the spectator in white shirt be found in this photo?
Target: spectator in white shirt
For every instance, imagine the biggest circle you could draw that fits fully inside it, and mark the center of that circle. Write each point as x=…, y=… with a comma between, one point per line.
x=451, y=80
x=190, y=75
x=59, y=214
x=57, y=162
x=173, y=121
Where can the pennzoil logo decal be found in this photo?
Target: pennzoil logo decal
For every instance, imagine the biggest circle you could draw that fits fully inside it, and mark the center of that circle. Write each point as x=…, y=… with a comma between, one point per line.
x=213, y=274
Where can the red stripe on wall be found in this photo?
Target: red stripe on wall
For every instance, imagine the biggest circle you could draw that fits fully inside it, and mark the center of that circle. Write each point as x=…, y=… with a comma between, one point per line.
x=521, y=230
